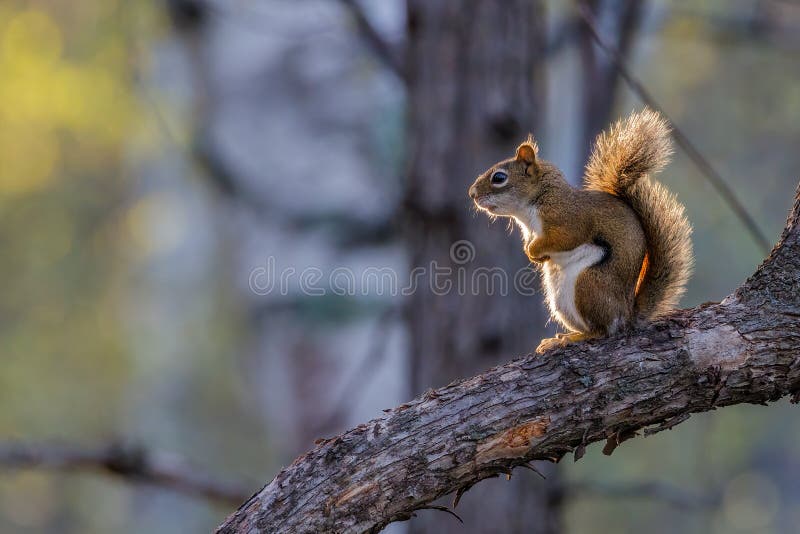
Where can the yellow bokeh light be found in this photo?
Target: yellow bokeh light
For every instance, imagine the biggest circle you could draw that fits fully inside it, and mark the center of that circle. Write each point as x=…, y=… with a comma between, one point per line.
x=28, y=159
x=31, y=36
x=40, y=86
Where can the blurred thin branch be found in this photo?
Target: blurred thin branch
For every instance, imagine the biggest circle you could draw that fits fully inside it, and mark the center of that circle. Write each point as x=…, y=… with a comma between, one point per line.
x=130, y=462
x=382, y=49
x=135, y=464
x=219, y=172
x=562, y=34
x=706, y=169
x=369, y=365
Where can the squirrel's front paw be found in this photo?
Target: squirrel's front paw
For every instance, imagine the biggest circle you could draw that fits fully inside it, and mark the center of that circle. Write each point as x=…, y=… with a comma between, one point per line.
x=560, y=340
x=549, y=343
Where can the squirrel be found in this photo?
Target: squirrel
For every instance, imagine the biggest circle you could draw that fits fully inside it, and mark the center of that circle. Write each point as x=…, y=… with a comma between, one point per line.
x=614, y=253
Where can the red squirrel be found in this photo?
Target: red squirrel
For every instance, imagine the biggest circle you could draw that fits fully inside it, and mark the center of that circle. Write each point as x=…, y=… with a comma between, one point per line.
x=615, y=252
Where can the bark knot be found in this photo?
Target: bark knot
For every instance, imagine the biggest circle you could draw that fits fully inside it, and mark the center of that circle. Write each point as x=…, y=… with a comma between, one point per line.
x=513, y=442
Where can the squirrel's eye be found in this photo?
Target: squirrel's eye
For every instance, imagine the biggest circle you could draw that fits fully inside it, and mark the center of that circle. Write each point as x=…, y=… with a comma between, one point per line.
x=499, y=178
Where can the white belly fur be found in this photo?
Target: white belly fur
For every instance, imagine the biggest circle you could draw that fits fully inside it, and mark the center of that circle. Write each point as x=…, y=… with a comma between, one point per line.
x=560, y=275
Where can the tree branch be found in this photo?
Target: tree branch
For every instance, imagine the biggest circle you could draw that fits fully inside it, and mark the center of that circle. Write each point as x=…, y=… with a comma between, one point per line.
x=745, y=349
x=126, y=461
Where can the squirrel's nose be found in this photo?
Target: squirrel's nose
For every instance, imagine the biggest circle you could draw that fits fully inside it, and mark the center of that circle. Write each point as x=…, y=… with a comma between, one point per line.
x=473, y=191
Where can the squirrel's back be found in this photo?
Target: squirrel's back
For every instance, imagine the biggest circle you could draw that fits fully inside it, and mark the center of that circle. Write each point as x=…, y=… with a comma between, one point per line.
x=621, y=164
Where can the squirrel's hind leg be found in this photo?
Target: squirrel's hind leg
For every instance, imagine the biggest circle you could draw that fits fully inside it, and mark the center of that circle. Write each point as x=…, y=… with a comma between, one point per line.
x=561, y=340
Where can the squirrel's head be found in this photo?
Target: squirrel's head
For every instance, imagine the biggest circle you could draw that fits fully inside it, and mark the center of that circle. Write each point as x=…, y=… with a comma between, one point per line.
x=508, y=187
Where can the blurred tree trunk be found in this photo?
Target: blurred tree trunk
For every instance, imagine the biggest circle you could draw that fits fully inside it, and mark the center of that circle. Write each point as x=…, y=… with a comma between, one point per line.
x=475, y=90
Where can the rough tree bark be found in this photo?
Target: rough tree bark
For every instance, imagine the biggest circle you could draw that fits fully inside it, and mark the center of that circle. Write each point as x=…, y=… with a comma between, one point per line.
x=474, y=71
x=745, y=349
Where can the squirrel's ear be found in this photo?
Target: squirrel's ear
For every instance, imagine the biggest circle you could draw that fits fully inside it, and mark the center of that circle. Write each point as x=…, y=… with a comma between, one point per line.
x=528, y=151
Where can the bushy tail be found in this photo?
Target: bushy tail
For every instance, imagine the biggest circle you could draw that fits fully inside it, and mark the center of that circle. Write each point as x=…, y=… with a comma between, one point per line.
x=620, y=164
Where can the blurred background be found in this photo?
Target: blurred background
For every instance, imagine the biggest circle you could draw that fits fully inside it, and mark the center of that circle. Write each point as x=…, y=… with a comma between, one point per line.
x=161, y=161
